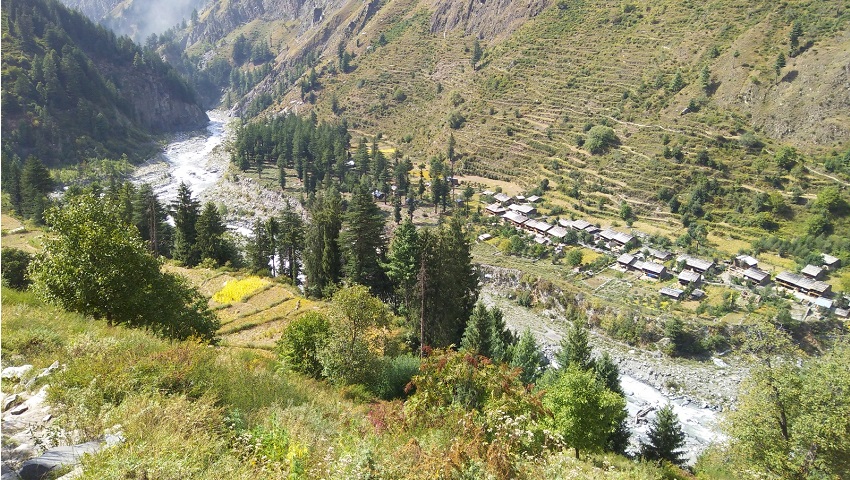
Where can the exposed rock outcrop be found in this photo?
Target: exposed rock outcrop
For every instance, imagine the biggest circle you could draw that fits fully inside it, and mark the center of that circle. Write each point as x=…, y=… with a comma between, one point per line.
x=484, y=18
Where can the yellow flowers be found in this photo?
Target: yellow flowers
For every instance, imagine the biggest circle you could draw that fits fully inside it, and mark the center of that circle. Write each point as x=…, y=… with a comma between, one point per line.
x=236, y=290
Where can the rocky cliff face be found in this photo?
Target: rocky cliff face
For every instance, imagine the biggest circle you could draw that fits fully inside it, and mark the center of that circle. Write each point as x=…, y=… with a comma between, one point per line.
x=484, y=18
x=159, y=112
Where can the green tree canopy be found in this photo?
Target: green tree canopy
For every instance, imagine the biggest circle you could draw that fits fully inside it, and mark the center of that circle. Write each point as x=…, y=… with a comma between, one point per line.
x=666, y=438
x=599, y=139
x=96, y=264
x=584, y=412
x=794, y=421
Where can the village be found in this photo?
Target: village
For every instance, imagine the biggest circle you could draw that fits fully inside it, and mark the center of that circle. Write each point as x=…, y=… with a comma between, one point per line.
x=680, y=276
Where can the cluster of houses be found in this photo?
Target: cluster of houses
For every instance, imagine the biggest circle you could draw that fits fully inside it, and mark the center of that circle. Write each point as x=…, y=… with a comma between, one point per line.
x=518, y=211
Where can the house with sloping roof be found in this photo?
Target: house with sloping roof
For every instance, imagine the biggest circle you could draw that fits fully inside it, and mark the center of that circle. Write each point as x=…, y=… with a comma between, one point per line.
x=504, y=199
x=746, y=261
x=823, y=303
x=579, y=224
x=533, y=199
x=696, y=264
x=626, y=261
x=661, y=255
x=830, y=262
x=804, y=284
x=813, y=272
x=687, y=277
x=517, y=219
x=523, y=209
x=673, y=293
x=557, y=232
x=495, y=209
x=842, y=312
x=653, y=270
x=484, y=237
x=757, y=276
x=538, y=226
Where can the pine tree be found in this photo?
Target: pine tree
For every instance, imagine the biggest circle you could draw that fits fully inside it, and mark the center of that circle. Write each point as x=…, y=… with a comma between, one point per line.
x=502, y=340
x=476, y=336
x=149, y=216
x=780, y=63
x=258, y=248
x=362, y=238
x=290, y=241
x=575, y=349
x=322, y=262
x=476, y=52
x=666, y=438
x=402, y=264
x=186, y=211
x=34, y=186
x=210, y=235
x=528, y=357
x=794, y=38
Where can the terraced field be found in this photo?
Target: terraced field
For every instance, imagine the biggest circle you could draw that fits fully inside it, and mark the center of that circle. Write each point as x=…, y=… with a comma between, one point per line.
x=257, y=319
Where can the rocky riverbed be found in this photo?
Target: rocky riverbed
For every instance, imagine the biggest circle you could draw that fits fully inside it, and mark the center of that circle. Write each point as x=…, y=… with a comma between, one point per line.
x=698, y=391
x=201, y=160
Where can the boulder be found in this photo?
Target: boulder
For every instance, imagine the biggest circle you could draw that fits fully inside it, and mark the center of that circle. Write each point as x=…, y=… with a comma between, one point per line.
x=10, y=373
x=38, y=468
x=19, y=409
x=10, y=401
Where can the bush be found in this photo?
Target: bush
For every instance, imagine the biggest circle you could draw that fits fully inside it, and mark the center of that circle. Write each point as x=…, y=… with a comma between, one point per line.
x=396, y=374
x=13, y=267
x=301, y=341
x=599, y=139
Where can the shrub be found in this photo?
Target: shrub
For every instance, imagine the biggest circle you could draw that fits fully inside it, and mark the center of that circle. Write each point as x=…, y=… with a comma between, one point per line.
x=301, y=341
x=599, y=139
x=13, y=267
x=396, y=374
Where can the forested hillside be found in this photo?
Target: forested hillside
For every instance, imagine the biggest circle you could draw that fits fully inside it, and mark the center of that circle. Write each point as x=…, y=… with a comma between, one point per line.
x=75, y=91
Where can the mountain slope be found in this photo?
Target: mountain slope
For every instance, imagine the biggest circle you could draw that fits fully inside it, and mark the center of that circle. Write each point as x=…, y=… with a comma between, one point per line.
x=75, y=91
x=137, y=19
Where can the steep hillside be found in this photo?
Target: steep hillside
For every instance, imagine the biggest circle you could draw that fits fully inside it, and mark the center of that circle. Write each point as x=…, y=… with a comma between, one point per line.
x=691, y=90
x=137, y=19
x=75, y=91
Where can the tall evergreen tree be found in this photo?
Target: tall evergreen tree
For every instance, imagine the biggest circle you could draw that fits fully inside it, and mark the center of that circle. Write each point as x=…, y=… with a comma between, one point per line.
x=149, y=216
x=290, y=242
x=528, y=358
x=362, y=238
x=34, y=186
x=12, y=180
x=402, y=265
x=666, y=438
x=258, y=248
x=185, y=213
x=476, y=336
x=210, y=235
x=575, y=349
x=447, y=285
x=322, y=261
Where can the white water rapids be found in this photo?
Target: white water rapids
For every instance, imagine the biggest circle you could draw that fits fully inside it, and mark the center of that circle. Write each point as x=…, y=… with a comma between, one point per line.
x=188, y=159
x=194, y=159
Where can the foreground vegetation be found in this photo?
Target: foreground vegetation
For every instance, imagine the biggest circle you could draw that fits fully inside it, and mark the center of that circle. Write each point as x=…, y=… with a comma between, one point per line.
x=188, y=411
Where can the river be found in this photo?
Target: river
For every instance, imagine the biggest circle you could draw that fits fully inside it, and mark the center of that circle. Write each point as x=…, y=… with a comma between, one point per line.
x=189, y=158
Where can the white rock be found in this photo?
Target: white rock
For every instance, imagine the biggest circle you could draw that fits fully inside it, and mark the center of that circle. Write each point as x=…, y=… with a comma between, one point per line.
x=15, y=372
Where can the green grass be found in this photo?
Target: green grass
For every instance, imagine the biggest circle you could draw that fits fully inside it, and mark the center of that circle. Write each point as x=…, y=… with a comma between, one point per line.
x=192, y=411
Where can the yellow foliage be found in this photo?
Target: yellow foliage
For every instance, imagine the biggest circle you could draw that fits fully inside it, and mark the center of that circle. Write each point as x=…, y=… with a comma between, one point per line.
x=236, y=290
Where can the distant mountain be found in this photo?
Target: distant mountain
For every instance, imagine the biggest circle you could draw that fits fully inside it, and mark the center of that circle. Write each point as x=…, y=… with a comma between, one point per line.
x=74, y=90
x=137, y=19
